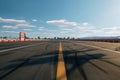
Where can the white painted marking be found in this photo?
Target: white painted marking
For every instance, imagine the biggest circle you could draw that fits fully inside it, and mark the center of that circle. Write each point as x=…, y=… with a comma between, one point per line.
x=17, y=48
x=99, y=48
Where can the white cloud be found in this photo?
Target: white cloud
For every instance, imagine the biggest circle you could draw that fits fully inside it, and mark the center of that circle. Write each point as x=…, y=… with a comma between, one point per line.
x=12, y=20
x=95, y=31
x=89, y=30
x=25, y=25
x=34, y=20
x=18, y=26
x=85, y=24
x=66, y=29
x=111, y=31
x=9, y=27
x=9, y=32
x=62, y=23
x=41, y=28
x=27, y=29
x=15, y=23
x=84, y=29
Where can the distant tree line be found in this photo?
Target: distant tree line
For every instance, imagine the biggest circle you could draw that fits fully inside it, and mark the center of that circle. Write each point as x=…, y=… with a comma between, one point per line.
x=5, y=37
x=60, y=38
x=55, y=38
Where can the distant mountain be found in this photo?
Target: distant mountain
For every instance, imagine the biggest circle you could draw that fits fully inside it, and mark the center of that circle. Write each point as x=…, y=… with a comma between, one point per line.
x=102, y=37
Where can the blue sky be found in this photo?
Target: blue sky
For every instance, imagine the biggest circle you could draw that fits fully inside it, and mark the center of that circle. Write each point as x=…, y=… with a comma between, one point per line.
x=60, y=18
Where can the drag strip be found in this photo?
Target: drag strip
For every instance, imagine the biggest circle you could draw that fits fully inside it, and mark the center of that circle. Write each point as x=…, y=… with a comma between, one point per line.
x=52, y=60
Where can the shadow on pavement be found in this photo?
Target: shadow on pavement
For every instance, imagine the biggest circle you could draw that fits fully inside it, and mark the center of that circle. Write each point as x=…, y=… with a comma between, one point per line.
x=77, y=59
x=71, y=57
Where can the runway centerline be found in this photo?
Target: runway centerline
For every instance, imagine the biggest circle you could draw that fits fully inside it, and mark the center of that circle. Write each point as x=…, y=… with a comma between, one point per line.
x=61, y=72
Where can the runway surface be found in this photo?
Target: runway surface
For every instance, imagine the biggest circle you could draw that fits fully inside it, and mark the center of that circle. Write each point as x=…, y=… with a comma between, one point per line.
x=43, y=60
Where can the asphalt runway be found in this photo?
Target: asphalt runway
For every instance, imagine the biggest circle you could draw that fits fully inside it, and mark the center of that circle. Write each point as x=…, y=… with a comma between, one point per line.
x=39, y=61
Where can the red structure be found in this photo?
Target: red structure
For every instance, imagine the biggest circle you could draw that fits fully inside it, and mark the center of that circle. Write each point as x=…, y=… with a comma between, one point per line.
x=22, y=36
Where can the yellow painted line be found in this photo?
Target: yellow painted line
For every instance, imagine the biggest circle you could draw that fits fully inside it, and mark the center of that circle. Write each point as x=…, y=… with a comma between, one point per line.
x=61, y=72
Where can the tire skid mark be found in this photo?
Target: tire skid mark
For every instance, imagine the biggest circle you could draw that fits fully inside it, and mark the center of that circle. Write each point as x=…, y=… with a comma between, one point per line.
x=76, y=64
x=111, y=63
x=17, y=66
x=80, y=67
x=14, y=69
x=105, y=61
x=98, y=67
